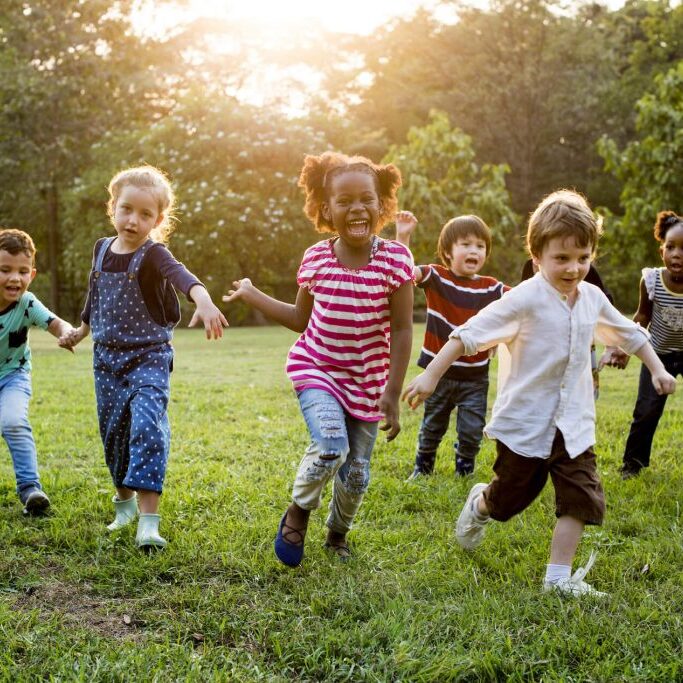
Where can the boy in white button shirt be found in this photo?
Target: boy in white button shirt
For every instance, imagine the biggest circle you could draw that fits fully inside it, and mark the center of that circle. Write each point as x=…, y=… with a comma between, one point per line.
x=544, y=416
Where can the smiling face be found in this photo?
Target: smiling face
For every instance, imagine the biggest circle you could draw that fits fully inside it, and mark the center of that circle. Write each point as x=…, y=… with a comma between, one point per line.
x=564, y=264
x=136, y=214
x=353, y=207
x=16, y=273
x=672, y=251
x=467, y=256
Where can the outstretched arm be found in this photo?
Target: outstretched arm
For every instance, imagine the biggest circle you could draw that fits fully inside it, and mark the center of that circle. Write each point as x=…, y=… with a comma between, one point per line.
x=405, y=225
x=663, y=382
x=401, y=305
x=292, y=316
x=422, y=387
x=614, y=356
x=206, y=311
x=69, y=338
x=60, y=328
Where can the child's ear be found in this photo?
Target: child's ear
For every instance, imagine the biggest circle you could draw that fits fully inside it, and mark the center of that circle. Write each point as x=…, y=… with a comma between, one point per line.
x=160, y=218
x=33, y=274
x=325, y=211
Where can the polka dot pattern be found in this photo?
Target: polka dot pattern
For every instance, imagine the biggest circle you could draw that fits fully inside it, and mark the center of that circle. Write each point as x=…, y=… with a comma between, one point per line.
x=132, y=359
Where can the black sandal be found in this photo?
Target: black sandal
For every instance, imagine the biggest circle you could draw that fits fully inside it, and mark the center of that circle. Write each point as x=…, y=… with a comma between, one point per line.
x=341, y=550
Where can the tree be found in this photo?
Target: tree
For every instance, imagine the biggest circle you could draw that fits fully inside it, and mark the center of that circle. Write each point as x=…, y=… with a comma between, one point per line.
x=442, y=180
x=650, y=170
x=71, y=71
x=235, y=170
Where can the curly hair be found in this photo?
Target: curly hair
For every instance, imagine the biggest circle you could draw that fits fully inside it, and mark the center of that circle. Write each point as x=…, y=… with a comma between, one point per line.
x=665, y=221
x=157, y=184
x=315, y=179
x=564, y=213
x=17, y=242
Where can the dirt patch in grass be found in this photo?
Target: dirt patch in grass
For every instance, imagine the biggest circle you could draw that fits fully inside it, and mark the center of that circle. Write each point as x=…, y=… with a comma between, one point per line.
x=79, y=606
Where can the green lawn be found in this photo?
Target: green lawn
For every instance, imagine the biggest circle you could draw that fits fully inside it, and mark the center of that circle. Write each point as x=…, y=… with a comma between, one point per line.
x=77, y=604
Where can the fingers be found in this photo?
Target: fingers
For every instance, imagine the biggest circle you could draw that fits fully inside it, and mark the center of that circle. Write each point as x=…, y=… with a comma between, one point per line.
x=193, y=320
x=413, y=397
x=392, y=426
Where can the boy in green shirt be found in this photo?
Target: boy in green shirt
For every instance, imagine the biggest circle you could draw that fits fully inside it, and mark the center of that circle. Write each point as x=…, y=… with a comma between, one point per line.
x=19, y=310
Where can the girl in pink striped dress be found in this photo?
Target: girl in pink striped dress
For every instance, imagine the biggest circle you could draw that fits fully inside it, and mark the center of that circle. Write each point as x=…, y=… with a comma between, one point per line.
x=354, y=312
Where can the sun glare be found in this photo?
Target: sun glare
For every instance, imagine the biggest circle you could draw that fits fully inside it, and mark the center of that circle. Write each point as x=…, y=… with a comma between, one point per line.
x=350, y=16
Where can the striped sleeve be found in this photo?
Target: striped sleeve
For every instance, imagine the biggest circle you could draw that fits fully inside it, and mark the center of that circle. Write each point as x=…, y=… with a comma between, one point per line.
x=401, y=263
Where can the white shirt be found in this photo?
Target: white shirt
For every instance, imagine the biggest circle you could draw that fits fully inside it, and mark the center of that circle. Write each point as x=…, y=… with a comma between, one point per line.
x=550, y=385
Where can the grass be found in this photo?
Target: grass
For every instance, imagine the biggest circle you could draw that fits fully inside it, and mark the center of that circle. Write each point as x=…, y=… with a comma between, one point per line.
x=77, y=604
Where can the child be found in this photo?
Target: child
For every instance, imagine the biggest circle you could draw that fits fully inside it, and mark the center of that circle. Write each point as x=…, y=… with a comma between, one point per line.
x=611, y=356
x=354, y=309
x=544, y=415
x=132, y=309
x=19, y=310
x=661, y=310
x=454, y=292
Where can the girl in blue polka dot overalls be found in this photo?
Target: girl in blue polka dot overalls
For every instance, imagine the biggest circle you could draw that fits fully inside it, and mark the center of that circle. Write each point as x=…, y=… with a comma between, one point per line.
x=132, y=309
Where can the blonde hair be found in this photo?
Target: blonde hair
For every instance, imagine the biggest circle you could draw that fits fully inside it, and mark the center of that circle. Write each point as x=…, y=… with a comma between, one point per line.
x=157, y=184
x=562, y=214
x=315, y=179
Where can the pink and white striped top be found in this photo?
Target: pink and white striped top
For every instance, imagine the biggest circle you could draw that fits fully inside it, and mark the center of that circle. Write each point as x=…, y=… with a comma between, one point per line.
x=345, y=347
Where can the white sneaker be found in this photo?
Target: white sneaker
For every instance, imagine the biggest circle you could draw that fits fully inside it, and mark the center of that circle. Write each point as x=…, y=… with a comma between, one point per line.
x=469, y=531
x=575, y=585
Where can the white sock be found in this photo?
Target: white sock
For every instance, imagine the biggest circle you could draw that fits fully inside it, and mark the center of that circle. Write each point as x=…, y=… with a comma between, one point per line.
x=480, y=517
x=557, y=572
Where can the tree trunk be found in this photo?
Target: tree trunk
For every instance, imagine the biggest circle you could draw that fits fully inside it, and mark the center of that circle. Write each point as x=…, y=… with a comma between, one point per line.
x=52, y=199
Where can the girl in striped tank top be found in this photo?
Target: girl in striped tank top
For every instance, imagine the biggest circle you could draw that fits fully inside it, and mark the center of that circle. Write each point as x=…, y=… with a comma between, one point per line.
x=354, y=312
x=660, y=309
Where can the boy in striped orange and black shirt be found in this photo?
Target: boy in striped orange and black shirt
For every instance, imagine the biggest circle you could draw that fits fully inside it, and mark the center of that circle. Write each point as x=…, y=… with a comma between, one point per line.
x=455, y=292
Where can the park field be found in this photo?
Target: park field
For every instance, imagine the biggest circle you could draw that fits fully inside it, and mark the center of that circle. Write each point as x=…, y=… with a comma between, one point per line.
x=77, y=604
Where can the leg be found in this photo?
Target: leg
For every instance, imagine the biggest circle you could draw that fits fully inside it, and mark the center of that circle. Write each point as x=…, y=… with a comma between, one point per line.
x=437, y=414
x=470, y=421
x=648, y=409
x=326, y=452
x=579, y=500
x=517, y=482
x=566, y=537
x=351, y=482
x=15, y=394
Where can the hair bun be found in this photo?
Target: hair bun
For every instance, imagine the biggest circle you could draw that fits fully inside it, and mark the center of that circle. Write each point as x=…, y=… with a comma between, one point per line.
x=670, y=219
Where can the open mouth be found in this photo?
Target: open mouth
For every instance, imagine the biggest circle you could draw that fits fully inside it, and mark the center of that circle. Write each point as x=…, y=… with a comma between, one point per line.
x=357, y=228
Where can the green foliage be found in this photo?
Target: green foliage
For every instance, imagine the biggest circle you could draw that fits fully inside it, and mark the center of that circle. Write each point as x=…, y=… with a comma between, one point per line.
x=78, y=604
x=442, y=180
x=650, y=170
x=235, y=170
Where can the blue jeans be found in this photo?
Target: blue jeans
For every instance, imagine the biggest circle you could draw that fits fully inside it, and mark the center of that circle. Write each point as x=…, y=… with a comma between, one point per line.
x=649, y=408
x=469, y=397
x=15, y=393
x=340, y=448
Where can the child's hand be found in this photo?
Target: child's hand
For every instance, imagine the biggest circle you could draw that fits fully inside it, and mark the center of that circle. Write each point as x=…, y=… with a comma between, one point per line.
x=388, y=405
x=419, y=389
x=614, y=357
x=663, y=382
x=405, y=224
x=241, y=289
x=72, y=336
x=214, y=321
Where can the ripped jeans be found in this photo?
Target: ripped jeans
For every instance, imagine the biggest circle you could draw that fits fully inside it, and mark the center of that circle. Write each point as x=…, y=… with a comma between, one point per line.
x=340, y=447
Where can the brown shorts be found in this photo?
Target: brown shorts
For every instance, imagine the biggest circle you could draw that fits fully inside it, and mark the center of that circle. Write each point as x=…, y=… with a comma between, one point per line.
x=518, y=480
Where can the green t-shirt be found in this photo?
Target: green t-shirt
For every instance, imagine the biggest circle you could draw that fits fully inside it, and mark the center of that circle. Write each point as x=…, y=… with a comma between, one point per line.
x=15, y=322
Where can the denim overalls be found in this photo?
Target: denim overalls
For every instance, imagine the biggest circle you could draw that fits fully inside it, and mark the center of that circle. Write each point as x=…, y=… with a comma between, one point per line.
x=132, y=360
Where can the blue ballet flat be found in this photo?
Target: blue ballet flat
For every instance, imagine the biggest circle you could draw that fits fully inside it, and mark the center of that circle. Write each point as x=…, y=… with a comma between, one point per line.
x=288, y=553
